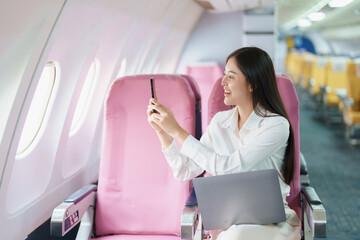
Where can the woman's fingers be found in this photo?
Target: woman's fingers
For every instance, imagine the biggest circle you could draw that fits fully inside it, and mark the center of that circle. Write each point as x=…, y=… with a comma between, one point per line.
x=163, y=117
x=160, y=108
x=152, y=101
x=155, y=105
x=153, y=121
x=149, y=111
x=152, y=110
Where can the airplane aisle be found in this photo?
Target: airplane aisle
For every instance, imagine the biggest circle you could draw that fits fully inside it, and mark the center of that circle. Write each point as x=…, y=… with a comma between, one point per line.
x=334, y=170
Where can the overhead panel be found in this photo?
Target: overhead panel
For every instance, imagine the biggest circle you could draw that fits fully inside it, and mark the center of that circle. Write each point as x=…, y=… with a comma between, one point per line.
x=244, y=4
x=339, y=17
x=205, y=4
x=232, y=5
x=260, y=30
x=291, y=11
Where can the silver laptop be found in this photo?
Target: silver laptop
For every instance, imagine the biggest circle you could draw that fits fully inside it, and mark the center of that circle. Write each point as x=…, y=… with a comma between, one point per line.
x=241, y=198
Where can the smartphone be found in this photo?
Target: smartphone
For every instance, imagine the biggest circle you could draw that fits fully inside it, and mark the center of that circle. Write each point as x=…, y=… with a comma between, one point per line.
x=153, y=90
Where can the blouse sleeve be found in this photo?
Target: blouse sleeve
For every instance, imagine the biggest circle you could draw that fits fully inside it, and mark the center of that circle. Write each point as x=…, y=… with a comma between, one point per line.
x=185, y=168
x=245, y=158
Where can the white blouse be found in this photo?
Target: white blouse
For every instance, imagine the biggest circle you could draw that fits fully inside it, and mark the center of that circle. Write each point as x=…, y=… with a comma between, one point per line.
x=260, y=144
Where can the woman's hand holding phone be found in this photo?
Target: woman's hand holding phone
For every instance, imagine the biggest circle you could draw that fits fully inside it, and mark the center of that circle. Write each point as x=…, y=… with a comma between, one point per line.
x=166, y=121
x=165, y=139
x=163, y=121
x=150, y=112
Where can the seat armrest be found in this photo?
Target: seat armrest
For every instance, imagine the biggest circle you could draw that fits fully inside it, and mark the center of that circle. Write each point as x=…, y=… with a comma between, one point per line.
x=312, y=82
x=69, y=213
x=304, y=176
x=342, y=95
x=314, y=214
x=303, y=165
x=189, y=222
x=324, y=89
x=348, y=102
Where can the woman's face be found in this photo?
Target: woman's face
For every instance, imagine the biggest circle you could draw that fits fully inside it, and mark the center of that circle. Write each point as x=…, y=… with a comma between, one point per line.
x=237, y=90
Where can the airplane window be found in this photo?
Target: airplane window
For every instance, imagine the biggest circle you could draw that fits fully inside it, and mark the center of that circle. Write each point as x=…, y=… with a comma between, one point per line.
x=122, y=69
x=85, y=96
x=39, y=109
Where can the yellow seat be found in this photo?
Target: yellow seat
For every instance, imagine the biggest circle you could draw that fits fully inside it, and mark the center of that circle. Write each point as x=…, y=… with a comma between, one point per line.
x=351, y=104
x=295, y=66
x=352, y=114
x=307, y=69
x=354, y=117
x=335, y=80
x=290, y=65
x=298, y=67
x=318, y=74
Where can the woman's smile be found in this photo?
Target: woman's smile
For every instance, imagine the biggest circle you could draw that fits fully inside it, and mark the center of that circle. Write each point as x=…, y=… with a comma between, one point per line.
x=227, y=92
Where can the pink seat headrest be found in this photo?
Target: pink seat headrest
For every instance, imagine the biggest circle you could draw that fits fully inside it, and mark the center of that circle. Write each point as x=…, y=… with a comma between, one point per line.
x=205, y=74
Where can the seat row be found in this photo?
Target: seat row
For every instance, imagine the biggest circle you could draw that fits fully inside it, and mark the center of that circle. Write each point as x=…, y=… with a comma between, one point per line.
x=334, y=83
x=136, y=196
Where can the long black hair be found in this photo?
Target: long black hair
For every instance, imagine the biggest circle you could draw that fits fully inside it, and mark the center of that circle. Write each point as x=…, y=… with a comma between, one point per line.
x=259, y=71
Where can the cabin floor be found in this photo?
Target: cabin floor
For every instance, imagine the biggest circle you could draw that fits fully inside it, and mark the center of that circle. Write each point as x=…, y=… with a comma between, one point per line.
x=334, y=169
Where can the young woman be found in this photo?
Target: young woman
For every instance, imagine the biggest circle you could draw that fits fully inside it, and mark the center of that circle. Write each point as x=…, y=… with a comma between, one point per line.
x=255, y=135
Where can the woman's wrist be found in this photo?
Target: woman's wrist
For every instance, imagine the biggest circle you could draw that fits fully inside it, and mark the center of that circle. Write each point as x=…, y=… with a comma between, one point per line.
x=165, y=139
x=181, y=135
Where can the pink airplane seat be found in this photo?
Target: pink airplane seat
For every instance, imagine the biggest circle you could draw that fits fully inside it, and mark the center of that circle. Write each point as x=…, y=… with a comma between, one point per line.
x=195, y=87
x=205, y=74
x=216, y=101
x=137, y=196
x=291, y=104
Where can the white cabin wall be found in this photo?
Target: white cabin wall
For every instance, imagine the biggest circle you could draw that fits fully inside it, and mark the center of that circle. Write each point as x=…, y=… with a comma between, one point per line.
x=22, y=41
x=147, y=35
x=213, y=39
x=44, y=154
x=219, y=34
x=182, y=28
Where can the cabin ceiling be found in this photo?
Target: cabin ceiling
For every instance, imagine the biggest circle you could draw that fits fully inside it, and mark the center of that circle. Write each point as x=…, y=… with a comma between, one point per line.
x=290, y=11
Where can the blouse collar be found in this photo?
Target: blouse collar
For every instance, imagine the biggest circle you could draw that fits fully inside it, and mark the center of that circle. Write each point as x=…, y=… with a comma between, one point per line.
x=252, y=122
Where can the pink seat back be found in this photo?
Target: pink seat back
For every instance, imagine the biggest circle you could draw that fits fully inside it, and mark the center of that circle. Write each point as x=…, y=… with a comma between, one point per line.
x=195, y=87
x=291, y=103
x=137, y=192
x=216, y=100
x=205, y=75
